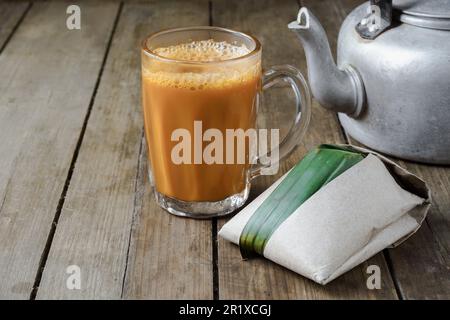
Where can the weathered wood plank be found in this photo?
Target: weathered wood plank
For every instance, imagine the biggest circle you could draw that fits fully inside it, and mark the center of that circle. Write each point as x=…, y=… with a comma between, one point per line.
x=421, y=265
x=44, y=94
x=109, y=195
x=10, y=15
x=259, y=278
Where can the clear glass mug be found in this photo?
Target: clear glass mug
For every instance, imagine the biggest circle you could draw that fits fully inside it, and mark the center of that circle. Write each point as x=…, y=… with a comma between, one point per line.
x=190, y=106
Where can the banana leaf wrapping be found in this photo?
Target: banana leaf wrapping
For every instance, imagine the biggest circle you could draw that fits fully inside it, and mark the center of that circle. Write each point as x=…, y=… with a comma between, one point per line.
x=335, y=209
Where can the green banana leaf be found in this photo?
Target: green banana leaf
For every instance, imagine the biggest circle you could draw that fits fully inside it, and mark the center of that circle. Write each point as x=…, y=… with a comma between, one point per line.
x=316, y=169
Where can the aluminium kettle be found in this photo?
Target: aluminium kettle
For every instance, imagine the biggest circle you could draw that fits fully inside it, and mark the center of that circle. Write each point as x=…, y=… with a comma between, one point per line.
x=391, y=84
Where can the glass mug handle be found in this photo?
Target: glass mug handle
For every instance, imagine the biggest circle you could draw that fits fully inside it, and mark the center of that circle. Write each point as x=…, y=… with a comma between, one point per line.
x=291, y=75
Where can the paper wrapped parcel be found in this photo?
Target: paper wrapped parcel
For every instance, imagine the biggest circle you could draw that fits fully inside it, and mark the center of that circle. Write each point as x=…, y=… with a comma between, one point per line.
x=373, y=205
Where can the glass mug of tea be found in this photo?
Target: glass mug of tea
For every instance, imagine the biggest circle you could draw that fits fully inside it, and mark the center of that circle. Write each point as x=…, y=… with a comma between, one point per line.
x=201, y=90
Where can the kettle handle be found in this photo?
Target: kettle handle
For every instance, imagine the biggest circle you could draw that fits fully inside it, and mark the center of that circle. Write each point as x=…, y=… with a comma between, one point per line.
x=378, y=19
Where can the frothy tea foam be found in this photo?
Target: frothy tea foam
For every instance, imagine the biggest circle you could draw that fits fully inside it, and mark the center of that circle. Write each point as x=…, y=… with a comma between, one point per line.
x=203, y=51
x=215, y=76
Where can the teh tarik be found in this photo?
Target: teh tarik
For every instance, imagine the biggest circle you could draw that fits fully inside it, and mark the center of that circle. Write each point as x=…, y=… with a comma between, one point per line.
x=220, y=92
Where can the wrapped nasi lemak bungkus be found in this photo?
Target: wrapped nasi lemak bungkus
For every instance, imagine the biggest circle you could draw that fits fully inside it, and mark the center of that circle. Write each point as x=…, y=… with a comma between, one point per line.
x=336, y=208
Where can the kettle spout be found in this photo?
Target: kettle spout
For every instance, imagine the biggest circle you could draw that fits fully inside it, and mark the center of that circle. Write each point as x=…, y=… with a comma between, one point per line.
x=335, y=89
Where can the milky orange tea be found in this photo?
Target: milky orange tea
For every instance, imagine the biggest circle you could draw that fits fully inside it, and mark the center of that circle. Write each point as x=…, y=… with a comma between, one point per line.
x=195, y=79
x=219, y=98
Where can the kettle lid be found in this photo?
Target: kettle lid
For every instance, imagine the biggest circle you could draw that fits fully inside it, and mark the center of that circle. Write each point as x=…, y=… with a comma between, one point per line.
x=434, y=14
x=420, y=8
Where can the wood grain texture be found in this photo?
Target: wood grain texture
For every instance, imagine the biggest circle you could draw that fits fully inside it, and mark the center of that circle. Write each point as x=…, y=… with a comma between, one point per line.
x=170, y=257
x=10, y=15
x=109, y=195
x=44, y=94
x=259, y=278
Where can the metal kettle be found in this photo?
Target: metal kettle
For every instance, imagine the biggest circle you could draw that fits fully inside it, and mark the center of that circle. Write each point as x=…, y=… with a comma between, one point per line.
x=391, y=84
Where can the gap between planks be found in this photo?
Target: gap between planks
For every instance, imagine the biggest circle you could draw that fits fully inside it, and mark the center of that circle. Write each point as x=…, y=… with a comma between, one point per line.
x=16, y=26
x=214, y=242
x=62, y=198
x=133, y=218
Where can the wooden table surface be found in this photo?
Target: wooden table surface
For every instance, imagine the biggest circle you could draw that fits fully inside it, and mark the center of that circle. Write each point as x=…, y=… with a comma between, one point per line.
x=73, y=184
